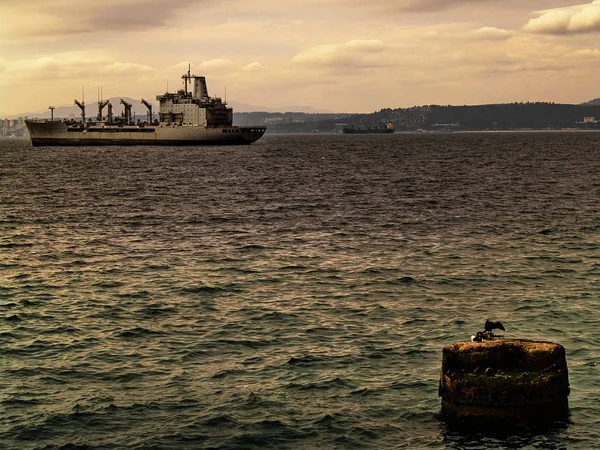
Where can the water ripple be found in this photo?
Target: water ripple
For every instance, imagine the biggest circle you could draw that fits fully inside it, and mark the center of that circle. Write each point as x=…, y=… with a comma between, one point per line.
x=292, y=294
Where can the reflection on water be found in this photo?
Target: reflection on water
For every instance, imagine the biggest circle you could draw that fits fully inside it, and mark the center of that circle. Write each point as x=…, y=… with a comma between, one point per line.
x=549, y=435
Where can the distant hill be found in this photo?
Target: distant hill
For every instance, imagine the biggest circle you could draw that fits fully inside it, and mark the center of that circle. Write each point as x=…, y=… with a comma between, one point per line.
x=510, y=116
x=91, y=109
x=594, y=102
x=242, y=107
x=138, y=109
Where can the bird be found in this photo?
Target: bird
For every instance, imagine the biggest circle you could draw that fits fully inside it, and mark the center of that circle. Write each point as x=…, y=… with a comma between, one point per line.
x=478, y=337
x=489, y=326
x=483, y=336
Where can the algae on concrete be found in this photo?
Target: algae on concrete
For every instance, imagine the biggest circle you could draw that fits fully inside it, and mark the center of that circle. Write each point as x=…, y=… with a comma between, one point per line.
x=491, y=377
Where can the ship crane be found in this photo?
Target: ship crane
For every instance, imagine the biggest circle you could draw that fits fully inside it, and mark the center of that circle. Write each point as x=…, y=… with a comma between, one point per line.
x=101, y=105
x=127, y=111
x=82, y=107
x=109, y=115
x=149, y=106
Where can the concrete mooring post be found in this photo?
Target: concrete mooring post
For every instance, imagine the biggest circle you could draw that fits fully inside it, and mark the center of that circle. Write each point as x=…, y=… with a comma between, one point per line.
x=504, y=379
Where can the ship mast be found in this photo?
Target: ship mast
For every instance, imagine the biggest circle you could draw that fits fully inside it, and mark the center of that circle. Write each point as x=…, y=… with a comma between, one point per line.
x=186, y=77
x=101, y=104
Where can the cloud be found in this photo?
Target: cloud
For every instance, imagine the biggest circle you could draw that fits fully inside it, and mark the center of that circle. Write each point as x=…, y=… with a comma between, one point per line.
x=568, y=20
x=473, y=7
x=215, y=65
x=354, y=54
x=586, y=53
x=406, y=5
x=491, y=34
x=120, y=68
x=136, y=14
x=252, y=67
x=69, y=66
x=434, y=5
x=317, y=52
x=61, y=17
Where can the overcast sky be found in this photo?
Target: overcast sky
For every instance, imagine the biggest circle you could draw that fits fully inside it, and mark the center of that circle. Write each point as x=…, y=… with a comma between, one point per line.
x=338, y=55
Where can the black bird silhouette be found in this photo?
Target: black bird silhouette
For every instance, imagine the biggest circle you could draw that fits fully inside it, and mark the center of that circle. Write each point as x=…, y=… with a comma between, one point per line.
x=489, y=325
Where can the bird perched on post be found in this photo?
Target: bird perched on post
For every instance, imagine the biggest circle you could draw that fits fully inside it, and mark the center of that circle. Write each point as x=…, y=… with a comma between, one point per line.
x=489, y=326
x=477, y=337
x=487, y=334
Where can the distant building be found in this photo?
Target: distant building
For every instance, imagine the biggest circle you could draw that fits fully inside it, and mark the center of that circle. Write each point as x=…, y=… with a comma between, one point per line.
x=13, y=128
x=589, y=120
x=273, y=120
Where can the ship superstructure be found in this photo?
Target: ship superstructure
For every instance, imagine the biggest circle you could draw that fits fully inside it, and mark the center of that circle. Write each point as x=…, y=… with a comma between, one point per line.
x=381, y=128
x=194, y=107
x=187, y=117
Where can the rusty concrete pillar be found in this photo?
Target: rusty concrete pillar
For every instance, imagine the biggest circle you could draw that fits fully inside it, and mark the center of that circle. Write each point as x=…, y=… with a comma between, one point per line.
x=508, y=379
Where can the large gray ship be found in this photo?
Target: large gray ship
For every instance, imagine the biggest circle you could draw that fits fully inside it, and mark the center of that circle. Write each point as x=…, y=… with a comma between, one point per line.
x=186, y=117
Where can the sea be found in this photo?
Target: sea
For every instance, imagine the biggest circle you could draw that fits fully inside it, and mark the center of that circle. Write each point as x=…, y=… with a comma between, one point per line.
x=295, y=293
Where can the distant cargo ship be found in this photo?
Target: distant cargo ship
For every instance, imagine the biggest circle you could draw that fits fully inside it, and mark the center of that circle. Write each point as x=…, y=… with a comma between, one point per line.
x=388, y=128
x=185, y=118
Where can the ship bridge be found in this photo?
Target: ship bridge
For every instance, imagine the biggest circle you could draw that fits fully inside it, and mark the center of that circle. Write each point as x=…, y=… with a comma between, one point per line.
x=193, y=106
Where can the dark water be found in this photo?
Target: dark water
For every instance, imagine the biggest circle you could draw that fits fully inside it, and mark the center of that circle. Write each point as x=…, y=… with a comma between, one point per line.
x=295, y=293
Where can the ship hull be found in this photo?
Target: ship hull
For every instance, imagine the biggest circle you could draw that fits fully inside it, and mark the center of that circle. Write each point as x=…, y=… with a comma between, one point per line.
x=357, y=131
x=50, y=133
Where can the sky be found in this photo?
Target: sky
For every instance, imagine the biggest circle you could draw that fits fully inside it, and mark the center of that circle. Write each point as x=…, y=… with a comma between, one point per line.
x=334, y=55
